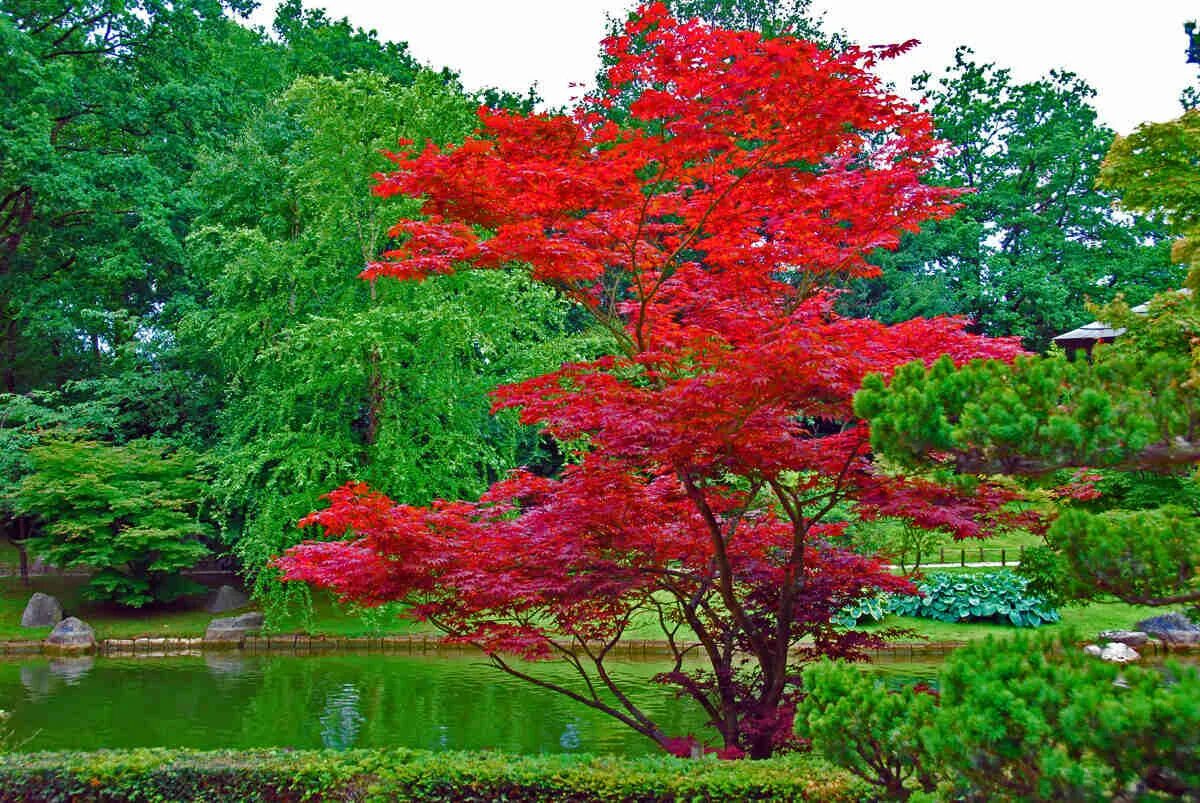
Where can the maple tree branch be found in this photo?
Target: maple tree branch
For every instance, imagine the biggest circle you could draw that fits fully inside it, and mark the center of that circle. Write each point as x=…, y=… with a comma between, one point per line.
x=705, y=640
x=645, y=726
x=725, y=570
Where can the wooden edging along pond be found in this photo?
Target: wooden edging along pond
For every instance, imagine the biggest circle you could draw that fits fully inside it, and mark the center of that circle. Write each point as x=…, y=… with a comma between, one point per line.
x=302, y=644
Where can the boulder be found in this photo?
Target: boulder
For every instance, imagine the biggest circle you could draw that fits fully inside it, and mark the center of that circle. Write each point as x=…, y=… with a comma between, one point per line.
x=233, y=630
x=42, y=610
x=71, y=635
x=1093, y=650
x=225, y=598
x=1118, y=653
x=1167, y=622
x=1180, y=637
x=1132, y=638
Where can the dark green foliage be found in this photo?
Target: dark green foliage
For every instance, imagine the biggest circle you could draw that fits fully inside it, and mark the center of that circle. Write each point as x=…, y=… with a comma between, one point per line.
x=1025, y=719
x=1032, y=719
x=407, y=775
x=771, y=18
x=1126, y=530
x=1035, y=238
x=874, y=732
x=999, y=596
x=129, y=512
x=1145, y=556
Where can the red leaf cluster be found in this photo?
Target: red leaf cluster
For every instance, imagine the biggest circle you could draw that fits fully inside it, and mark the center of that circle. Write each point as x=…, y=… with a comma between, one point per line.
x=703, y=234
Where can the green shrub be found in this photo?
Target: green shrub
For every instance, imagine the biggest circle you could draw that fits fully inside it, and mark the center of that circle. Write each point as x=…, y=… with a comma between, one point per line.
x=856, y=722
x=1022, y=719
x=1035, y=719
x=130, y=514
x=408, y=775
x=998, y=596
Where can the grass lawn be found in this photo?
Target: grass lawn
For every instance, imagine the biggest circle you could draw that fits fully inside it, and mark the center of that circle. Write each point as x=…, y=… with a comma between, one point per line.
x=1086, y=620
x=187, y=618
x=183, y=619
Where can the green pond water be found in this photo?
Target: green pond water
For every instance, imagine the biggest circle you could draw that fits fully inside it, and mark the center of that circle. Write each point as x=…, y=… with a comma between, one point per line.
x=434, y=701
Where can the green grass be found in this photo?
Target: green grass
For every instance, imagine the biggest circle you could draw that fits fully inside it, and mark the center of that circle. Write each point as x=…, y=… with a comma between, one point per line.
x=183, y=619
x=187, y=618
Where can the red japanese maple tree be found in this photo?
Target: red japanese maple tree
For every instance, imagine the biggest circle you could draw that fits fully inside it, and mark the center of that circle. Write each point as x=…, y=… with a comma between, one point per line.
x=718, y=440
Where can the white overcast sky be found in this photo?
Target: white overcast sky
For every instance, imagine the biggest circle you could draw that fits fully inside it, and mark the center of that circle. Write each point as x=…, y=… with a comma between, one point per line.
x=1131, y=53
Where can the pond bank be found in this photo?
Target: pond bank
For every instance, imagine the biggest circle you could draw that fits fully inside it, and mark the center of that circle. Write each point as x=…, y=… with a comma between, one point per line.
x=424, y=643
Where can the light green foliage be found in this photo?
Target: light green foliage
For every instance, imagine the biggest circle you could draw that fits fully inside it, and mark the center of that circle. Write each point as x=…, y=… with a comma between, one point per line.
x=1154, y=170
x=1034, y=238
x=329, y=378
x=1002, y=596
x=874, y=609
x=1133, y=406
x=858, y=723
x=129, y=512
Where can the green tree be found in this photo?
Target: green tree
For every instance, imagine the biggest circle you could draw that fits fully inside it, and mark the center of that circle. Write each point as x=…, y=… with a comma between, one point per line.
x=1035, y=238
x=771, y=18
x=1132, y=411
x=128, y=512
x=327, y=377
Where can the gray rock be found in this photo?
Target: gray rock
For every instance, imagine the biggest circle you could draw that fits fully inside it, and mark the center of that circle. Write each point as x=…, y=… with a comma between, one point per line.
x=1180, y=636
x=226, y=598
x=232, y=630
x=1133, y=638
x=71, y=635
x=42, y=610
x=1118, y=653
x=1157, y=625
x=1093, y=650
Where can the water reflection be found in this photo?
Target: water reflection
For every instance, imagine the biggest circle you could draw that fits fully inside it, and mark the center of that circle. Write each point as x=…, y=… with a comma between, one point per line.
x=340, y=718
x=570, y=737
x=73, y=669
x=233, y=701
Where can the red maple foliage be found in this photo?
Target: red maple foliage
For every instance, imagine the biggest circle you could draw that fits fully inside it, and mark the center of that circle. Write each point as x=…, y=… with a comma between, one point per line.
x=719, y=440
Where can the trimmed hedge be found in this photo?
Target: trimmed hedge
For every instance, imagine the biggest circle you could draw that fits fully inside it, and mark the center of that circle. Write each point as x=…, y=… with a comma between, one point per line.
x=160, y=775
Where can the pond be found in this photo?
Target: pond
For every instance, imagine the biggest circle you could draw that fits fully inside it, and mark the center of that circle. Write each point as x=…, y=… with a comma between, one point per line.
x=439, y=701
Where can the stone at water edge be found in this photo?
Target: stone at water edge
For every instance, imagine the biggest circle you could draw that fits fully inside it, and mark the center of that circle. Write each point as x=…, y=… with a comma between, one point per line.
x=1118, y=653
x=1132, y=638
x=1166, y=623
x=226, y=598
x=71, y=635
x=233, y=629
x=42, y=610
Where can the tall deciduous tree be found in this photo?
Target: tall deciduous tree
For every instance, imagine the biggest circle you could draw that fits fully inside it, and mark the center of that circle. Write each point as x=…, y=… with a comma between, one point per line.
x=326, y=377
x=1034, y=239
x=713, y=445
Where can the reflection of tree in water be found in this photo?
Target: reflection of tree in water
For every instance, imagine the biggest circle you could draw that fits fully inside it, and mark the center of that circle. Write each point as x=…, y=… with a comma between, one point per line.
x=340, y=719
x=570, y=739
